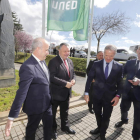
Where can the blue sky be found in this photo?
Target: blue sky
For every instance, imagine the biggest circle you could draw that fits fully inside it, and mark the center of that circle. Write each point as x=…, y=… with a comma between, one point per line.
x=30, y=14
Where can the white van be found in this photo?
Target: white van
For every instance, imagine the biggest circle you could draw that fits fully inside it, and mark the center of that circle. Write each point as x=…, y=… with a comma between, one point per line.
x=124, y=54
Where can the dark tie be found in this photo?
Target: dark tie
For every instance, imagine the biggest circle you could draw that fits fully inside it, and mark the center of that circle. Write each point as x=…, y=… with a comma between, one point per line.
x=137, y=65
x=106, y=70
x=67, y=67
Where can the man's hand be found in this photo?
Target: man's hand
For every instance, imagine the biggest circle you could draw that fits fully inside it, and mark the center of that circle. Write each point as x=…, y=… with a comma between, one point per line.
x=8, y=127
x=86, y=97
x=115, y=100
x=68, y=85
x=134, y=83
x=73, y=82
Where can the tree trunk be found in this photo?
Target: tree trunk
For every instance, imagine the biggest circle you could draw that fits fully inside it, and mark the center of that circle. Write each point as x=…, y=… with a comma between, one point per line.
x=24, y=56
x=98, y=45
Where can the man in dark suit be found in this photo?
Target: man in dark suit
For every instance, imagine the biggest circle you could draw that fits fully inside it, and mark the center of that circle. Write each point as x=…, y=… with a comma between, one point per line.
x=34, y=93
x=107, y=74
x=131, y=93
x=62, y=78
x=98, y=57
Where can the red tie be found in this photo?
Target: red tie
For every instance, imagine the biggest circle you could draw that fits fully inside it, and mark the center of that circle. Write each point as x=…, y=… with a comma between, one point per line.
x=67, y=67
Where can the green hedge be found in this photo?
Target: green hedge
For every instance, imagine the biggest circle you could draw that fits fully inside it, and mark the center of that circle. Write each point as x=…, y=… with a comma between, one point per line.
x=79, y=63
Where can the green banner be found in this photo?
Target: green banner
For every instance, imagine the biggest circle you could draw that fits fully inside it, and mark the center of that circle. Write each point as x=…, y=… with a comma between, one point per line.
x=68, y=15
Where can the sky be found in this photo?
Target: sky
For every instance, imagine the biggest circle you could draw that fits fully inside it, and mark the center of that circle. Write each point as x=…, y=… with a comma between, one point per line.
x=30, y=14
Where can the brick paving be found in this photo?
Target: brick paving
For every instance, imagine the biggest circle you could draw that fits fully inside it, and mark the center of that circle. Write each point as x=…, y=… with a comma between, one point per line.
x=82, y=122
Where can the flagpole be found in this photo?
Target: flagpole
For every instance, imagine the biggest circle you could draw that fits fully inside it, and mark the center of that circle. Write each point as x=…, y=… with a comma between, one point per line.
x=43, y=18
x=90, y=31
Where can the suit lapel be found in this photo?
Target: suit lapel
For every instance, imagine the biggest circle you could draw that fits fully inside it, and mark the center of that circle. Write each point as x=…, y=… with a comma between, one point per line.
x=114, y=68
x=38, y=67
x=63, y=65
x=102, y=68
x=70, y=68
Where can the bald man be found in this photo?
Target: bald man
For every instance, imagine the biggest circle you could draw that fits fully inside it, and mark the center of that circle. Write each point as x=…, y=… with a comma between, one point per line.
x=34, y=93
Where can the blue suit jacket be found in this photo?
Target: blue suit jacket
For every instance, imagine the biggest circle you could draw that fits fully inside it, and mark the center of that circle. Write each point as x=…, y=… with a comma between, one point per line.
x=33, y=90
x=130, y=72
x=110, y=86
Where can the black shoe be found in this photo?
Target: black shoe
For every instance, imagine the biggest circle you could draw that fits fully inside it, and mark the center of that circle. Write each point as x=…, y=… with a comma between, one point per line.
x=95, y=131
x=119, y=124
x=135, y=139
x=68, y=130
x=91, y=111
x=54, y=135
x=102, y=138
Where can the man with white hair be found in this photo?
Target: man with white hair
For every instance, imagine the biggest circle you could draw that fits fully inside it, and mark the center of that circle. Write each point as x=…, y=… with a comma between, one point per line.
x=107, y=74
x=34, y=93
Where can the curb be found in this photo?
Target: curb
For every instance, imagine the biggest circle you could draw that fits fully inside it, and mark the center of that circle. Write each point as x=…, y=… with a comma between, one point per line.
x=74, y=102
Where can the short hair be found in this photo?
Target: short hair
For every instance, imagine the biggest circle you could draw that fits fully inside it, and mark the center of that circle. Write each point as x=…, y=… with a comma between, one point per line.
x=37, y=42
x=99, y=52
x=62, y=45
x=111, y=48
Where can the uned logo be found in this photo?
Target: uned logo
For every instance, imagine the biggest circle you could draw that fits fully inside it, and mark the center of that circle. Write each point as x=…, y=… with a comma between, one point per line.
x=69, y=5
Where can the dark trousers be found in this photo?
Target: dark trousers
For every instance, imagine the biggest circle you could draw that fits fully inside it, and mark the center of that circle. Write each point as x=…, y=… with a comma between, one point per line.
x=103, y=110
x=64, y=107
x=125, y=106
x=90, y=103
x=33, y=123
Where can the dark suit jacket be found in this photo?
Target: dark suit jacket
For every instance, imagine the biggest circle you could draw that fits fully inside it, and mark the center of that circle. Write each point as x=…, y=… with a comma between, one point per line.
x=90, y=66
x=33, y=90
x=59, y=78
x=110, y=86
x=130, y=72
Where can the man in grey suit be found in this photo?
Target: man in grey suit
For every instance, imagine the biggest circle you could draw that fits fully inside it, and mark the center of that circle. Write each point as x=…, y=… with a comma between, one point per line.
x=62, y=78
x=34, y=93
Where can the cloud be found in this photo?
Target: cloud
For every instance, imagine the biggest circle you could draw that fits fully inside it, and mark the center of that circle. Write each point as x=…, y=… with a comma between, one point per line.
x=30, y=15
x=101, y=3
x=124, y=0
x=137, y=22
x=124, y=38
x=132, y=42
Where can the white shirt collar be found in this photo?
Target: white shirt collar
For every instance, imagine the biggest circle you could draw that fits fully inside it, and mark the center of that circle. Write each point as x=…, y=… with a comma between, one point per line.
x=36, y=58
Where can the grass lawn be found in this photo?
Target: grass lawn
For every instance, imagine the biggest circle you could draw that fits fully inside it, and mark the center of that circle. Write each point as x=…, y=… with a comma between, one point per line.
x=7, y=95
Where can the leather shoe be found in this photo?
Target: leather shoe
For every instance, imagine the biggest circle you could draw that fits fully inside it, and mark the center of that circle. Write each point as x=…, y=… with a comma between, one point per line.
x=102, y=138
x=119, y=124
x=68, y=130
x=91, y=111
x=95, y=131
x=54, y=135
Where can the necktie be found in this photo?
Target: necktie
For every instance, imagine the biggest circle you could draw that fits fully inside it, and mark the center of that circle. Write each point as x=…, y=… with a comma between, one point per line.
x=106, y=70
x=67, y=67
x=137, y=65
x=45, y=69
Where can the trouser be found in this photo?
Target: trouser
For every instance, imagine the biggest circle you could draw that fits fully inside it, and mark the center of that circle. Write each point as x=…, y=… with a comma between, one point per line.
x=33, y=123
x=64, y=107
x=103, y=110
x=90, y=103
x=125, y=106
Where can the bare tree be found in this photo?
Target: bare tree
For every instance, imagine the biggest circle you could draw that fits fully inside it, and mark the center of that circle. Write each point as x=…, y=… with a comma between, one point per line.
x=107, y=24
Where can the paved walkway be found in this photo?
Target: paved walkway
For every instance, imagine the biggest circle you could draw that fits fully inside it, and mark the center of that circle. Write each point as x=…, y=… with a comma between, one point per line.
x=80, y=120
